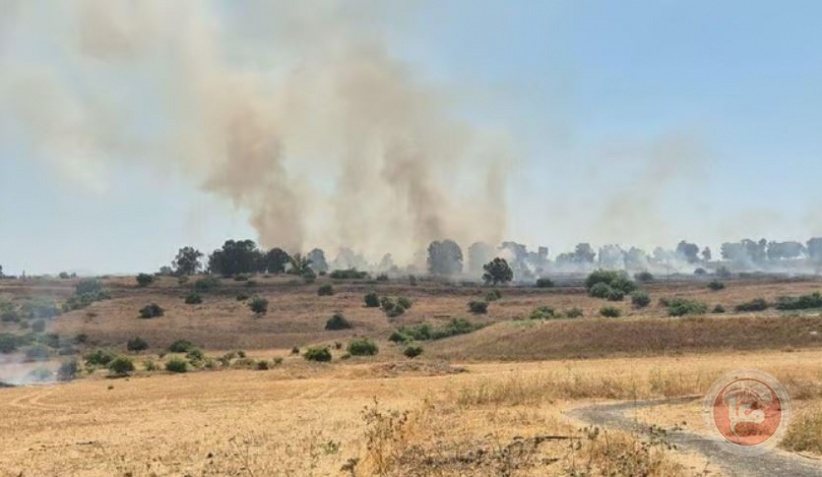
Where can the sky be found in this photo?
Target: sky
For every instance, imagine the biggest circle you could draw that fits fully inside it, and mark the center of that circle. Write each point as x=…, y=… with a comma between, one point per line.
x=633, y=122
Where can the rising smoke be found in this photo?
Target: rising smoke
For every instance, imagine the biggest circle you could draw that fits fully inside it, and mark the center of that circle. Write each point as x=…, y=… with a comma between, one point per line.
x=301, y=117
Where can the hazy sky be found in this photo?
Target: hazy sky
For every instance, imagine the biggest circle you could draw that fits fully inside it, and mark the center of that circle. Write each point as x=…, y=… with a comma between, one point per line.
x=632, y=122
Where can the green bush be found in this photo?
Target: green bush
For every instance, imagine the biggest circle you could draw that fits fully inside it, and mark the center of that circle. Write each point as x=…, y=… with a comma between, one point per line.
x=89, y=286
x=317, y=354
x=600, y=290
x=682, y=306
x=177, y=365
x=38, y=326
x=295, y=350
x=150, y=365
x=372, y=300
x=716, y=285
x=242, y=297
x=144, y=279
x=195, y=355
x=121, y=366
x=412, y=351
x=382, y=277
x=644, y=277
x=758, y=304
x=152, y=310
x=615, y=281
x=610, y=312
x=99, y=357
x=181, y=346
x=38, y=352
x=478, y=307
x=719, y=309
x=802, y=302
x=404, y=302
x=259, y=306
x=424, y=331
x=640, y=299
x=262, y=365
x=543, y=313
x=574, y=313
x=9, y=343
x=349, y=274
x=68, y=370
x=137, y=344
x=325, y=290
x=493, y=295
x=194, y=299
x=206, y=284
x=544, y=283
x=362, y=347
x=337, y=322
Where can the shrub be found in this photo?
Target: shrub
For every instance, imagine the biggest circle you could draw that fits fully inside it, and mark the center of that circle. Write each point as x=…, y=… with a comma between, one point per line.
x=250, y=284
x=121, y=366
x=206, y=284
x=404, y=302
x=9, y=343
x=600, y=290
x=412, y=351
x=382, y=277
x=259, y=306
x=478, y=307
x=424, y=331
x=610, y=312
x=38, y=352
x=144, y=279
x=325, y=290
x=68, y=370
x=89, y=286
x=99, y=357
x=386, y=303
x=412, y=280
x=262, y=365
x=150, y=365
x=317, y=354
x=182, y=280
x=544, y=283
x=723, y=272
x=242, y=297
x=151, y=311
x=644, y=277
x=372, y=300
x=241, y=278
x=362, y=347
x=803, y=302
x=640, y=299
x=38, y=326
x=682, y=306
x=349, y=274
x=295, y=350
x=493, y=295
x=337, y=322
x=574, y=313
x=757, y=304
x=137, y=344
x=614, y=280
x=718, y=309
x=278, y=360
x=716, y=285
x=194, y=299
x=177, y=365
x=195, y=355
x=180, y=346
x=700, y=271
x=542, y=313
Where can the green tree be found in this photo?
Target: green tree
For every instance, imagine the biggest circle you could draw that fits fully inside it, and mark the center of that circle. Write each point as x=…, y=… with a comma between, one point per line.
x=187, y=261
x=237, y=257
x=444, y=258
x=276, y=260
x=497, y=271
x=299, y=265
x=318, y=262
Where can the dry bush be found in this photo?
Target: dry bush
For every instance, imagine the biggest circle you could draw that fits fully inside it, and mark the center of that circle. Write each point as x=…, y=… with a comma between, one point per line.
x=805, y=432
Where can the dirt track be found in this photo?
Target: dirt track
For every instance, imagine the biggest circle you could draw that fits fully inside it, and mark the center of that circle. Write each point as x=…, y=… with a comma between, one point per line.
x=776, y=463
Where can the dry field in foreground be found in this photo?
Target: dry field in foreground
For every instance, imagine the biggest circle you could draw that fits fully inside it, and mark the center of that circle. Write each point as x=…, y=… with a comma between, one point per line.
x=366, y=419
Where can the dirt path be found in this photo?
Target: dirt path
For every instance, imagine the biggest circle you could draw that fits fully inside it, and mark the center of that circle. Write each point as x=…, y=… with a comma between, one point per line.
x=777, y=463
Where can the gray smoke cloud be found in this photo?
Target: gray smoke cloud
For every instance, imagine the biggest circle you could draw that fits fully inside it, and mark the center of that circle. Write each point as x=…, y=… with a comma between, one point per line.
x=297, y=114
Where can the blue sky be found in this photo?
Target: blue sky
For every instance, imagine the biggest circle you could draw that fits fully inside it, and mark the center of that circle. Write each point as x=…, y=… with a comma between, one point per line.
x=588, y=92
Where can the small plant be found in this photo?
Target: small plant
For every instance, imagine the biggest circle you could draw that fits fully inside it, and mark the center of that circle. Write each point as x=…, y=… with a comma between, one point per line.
x=412, y=351
x=372, y=300
x=337, y=322
x=574, y=313
x=295, y=350
x=610, y=312
x=144, y=279
x=317, y=354
x=68, y=370
x=121, y=366
x=478, y=307
x=493, y=295
x=180, y=346
x=325, y=290
x=719, y=309
x=150, y=366
x=99, y=357
x=195, y=355
x=137, y=344
x=640, y=299
x=362, y=347
x=151, y=311
x=259, y=306
x=802, y=302
x=242, y=297
x=240, y=354
x=206, y=284
x=262, y=365
x=544, y=283
x=278, y=360
x=716, y=285
x=177, y=365
x=542, y=313
x=193, y=299
x=757, y=304
x=682, y=306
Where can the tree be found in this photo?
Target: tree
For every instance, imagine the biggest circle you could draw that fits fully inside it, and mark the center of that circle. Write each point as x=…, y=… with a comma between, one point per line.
x=785, y=251
x=636, y=259
x=137, y=344
x=688, y=251
x=187, y=261
x=497, y=271
x=299, y=265
x=318, y=262
x=121, y=366
x=444, y=258
x=583, y=253
x=144, y=279
x=612, y=257
x=815, y=249
x=479, y=253
x=706, y=254
x=275, y=260
x=1, y=271
x=236, y=257
x=259, y=306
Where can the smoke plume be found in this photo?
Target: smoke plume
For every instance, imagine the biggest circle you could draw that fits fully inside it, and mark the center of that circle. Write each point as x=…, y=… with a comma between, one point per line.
x=299, y=115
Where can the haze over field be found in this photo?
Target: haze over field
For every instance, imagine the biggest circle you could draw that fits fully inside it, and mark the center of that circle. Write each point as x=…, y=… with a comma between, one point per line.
x=381, y=127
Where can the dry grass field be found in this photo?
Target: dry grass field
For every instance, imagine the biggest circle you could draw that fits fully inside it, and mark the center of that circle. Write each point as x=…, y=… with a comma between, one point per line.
x=489, y=403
